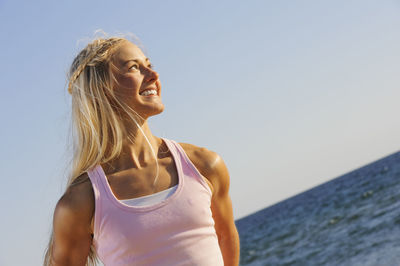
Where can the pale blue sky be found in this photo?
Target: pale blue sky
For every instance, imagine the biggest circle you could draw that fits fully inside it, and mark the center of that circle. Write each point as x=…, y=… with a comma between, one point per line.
x=290, y=93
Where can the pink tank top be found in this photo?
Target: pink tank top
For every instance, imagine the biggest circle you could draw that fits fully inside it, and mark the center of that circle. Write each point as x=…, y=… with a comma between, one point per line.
x=177, y=231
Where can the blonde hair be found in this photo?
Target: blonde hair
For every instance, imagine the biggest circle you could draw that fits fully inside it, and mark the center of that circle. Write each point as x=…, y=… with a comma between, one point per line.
x=97, y=115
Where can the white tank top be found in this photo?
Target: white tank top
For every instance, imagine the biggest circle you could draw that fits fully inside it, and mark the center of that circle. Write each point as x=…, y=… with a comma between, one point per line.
x=150, y=199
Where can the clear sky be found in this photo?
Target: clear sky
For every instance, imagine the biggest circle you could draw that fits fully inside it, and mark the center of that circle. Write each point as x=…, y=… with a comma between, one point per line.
x=290, y=93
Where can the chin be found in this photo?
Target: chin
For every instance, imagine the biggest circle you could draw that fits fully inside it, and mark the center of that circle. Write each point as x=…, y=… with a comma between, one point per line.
x=156, y=110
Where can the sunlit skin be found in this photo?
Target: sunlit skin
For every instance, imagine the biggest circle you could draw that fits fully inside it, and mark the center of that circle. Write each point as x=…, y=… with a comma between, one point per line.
x=134, y=74
x=132, y=173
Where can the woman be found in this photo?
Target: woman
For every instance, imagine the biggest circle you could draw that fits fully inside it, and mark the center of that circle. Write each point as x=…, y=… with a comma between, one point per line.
x=134, y=198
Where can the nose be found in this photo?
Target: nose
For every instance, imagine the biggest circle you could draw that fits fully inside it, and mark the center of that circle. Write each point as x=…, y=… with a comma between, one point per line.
x=151, y=75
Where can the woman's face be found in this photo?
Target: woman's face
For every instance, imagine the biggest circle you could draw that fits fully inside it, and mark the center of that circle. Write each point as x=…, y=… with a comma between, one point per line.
x=137, y=83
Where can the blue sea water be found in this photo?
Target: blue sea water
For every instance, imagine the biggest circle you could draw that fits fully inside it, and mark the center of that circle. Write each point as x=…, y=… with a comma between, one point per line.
x=351, y=220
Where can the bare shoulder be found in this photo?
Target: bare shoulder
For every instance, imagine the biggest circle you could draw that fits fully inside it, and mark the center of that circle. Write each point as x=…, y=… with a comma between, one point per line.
x=209, y=164
x=203, y=158
x=77, y=203
x=79, y=194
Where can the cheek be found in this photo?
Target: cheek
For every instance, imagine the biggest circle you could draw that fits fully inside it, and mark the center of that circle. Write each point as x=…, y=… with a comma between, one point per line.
x=127, y=83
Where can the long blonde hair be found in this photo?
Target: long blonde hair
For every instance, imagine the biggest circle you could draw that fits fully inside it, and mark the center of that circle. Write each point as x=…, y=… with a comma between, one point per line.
x=97, y=114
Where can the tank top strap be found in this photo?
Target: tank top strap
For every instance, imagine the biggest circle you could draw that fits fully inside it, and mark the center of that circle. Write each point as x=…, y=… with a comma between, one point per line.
x=98, y=191
x=187, y=165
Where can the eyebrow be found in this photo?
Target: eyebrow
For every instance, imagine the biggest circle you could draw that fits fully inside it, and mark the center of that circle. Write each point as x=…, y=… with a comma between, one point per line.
x=135, y=60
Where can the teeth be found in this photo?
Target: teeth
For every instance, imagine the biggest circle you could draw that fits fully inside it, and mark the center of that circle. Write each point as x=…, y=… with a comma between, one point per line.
x=149, y=92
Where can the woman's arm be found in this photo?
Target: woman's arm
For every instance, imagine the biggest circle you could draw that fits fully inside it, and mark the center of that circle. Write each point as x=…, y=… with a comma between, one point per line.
x=221, y=207
x=72, y=225
x=212, y=167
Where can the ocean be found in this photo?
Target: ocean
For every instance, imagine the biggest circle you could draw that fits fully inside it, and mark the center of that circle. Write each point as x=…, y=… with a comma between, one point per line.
x=351, y=220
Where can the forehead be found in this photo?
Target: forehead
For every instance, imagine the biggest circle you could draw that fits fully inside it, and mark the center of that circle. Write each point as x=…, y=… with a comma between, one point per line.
x=127, y=51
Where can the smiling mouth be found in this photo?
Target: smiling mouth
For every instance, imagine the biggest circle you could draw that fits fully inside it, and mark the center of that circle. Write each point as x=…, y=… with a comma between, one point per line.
x=148, y=93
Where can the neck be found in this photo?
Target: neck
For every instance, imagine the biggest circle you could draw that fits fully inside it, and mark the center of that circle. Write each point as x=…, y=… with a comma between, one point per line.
x=136, y=151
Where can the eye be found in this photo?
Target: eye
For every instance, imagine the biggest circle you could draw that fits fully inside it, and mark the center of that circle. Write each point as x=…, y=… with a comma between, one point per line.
x=151, y=66
x=134, y=67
